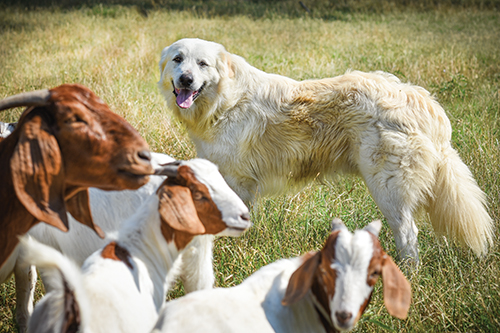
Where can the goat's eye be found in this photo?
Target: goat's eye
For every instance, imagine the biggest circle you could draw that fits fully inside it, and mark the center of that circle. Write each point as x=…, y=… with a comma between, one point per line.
x=75, y=119
x=375, y=274
x=202, y=64
x=197, y=195
x=177, y=59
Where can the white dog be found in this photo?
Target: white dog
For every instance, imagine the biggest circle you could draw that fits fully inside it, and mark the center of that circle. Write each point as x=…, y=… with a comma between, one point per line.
x=267, y=132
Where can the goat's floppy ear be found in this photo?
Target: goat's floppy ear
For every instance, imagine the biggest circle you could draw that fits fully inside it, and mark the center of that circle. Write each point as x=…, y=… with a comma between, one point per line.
x=38, y=173
x=79, y=207
x=397, y=290
x=177, y=209
x=302, y=279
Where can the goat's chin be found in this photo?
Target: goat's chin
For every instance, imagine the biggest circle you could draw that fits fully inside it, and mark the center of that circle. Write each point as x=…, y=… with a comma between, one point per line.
x=132, y=181
x=343, y=328
x=231, y=232
x=124, y=181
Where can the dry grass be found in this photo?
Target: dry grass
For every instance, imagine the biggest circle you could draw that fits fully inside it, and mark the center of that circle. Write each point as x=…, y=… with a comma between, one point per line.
x=454, y=53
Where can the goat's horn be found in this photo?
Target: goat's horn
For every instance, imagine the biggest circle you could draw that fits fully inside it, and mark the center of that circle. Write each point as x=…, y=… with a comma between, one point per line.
x=337, y=224
x=32, y=98
x=169, y=170
x=374, y=227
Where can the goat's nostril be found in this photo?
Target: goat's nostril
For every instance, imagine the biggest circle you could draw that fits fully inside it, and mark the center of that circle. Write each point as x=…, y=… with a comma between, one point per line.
x=245, y=216
x=144, y=155
x=343, y=316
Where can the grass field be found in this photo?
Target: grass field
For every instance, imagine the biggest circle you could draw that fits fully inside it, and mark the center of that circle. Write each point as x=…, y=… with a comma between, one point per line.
x=452, y=50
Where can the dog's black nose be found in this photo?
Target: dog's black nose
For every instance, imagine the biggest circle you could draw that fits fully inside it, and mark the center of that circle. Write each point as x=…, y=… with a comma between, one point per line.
x=186, y=80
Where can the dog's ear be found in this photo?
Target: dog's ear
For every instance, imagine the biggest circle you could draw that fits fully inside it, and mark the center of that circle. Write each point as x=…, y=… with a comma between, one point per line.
x=163, y=60
x=38, y=172
x=225, y=65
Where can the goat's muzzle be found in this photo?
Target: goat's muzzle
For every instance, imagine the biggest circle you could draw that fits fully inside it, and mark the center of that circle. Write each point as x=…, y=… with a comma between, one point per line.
x=137, y=168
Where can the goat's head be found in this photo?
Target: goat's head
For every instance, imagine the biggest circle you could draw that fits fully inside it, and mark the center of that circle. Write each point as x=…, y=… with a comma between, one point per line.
x=196, y=200
x=66, y=141
x=341, y=278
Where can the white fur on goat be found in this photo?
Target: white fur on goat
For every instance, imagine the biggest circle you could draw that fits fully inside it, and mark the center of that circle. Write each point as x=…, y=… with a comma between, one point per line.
x=127, y=292
x=319, y=292
x=6, y=129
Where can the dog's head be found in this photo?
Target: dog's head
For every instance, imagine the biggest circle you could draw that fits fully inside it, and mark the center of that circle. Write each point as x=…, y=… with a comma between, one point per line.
x=190, y=73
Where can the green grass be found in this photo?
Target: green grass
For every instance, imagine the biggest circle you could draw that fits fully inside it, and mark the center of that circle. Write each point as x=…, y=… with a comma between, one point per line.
x=452, y=48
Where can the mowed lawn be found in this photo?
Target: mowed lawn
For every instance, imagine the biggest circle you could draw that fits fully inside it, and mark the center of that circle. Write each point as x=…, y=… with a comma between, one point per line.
x=453, y=52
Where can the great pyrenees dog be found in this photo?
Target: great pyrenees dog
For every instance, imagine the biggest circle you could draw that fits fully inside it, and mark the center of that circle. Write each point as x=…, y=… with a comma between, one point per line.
x=268, y=133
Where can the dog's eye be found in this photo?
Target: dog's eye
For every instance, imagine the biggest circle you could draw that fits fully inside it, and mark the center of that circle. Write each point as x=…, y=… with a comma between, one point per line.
x=202, y=64
x=177, y=59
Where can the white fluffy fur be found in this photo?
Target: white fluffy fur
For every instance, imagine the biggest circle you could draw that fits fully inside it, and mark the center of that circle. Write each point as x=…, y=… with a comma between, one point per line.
x=268, y=133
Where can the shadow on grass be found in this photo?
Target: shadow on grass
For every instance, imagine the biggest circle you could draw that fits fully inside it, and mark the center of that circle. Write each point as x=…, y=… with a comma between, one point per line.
x=323, y=9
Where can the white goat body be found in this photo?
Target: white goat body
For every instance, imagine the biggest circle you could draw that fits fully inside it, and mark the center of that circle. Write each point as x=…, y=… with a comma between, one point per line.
x=324, y=291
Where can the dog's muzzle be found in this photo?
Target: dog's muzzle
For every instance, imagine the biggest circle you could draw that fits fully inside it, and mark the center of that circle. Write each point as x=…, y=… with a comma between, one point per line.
x=186, y=97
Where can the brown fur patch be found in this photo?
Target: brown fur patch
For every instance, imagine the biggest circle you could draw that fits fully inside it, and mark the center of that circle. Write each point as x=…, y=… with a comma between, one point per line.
x=114, y=251
x=72, y=318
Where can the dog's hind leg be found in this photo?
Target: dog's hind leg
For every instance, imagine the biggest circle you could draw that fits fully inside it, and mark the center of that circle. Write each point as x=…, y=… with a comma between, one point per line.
x=399, y=170
x=398, y=214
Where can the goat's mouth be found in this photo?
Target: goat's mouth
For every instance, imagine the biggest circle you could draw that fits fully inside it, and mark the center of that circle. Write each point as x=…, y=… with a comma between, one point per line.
x=134, y=177
x=186, y=97
x=234, y=231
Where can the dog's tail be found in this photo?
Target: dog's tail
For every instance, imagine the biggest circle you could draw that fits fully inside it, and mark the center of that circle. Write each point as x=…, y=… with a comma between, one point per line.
x=458, y=207
x=62, y=309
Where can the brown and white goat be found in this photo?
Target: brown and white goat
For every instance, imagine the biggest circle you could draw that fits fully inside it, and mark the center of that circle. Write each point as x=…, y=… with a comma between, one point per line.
x=122, y=287
x=65, y=141
x=324, y=291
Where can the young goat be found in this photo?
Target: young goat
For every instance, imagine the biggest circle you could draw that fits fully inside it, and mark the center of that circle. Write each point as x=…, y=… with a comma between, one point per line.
x=325, y=291
x=66, y=141
x=122, y=287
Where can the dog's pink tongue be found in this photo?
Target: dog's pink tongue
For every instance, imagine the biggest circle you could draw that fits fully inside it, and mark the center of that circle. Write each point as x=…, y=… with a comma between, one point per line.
x=185, y=98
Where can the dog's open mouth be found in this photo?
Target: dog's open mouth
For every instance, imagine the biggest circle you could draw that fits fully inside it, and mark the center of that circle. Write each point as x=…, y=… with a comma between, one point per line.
x=186, y=97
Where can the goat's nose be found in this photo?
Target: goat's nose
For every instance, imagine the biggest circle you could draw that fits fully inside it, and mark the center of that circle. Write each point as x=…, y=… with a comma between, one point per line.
x=245, y=216
x=343, y=316
x=144, y=155
x=186, y=79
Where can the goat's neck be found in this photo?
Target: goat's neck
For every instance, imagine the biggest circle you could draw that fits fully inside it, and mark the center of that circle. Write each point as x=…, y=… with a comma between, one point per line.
x=322, y=304
x=269, y=285
x=141, y=235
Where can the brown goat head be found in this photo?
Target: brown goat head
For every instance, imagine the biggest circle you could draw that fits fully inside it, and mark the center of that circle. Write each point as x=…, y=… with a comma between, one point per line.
x=66, y=141
x=186, y=208
x=341, y=277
